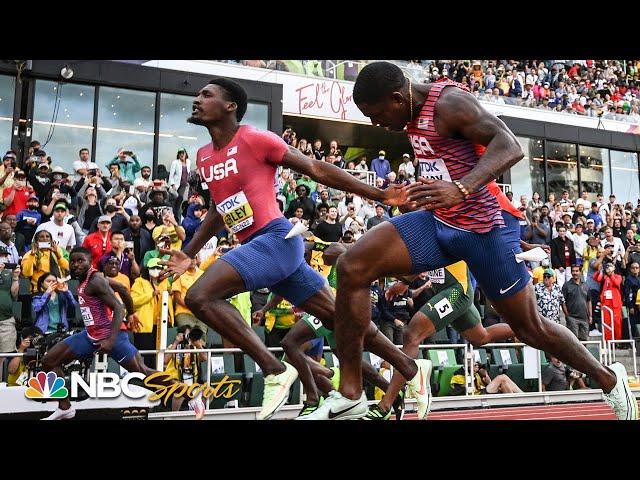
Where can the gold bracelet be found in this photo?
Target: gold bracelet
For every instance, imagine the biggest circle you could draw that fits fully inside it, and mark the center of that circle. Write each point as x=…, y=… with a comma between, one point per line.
x=462, y=188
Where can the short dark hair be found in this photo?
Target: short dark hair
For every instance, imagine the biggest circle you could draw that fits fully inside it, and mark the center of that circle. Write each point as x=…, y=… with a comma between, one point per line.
x=323, y=205
x=41, y=280
x=186, y=154
x=196, y=334
x=83, y=150
x=376, y=81
x=235, y=93
x=34, y=143
x=81, y=250
x=117, y=232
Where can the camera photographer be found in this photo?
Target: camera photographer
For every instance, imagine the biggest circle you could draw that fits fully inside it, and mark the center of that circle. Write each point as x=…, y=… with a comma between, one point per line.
x=610, y=294
x=52, y=304
x=171, y=228
x=45, y=256
x=18, y=366
x=8, y=293
x=559, y=377
x=127, y=162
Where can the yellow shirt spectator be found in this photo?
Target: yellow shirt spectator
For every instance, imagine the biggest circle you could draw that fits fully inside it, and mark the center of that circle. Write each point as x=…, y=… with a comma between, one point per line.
x=39, y=261
x=182, y=284
x=171, y=230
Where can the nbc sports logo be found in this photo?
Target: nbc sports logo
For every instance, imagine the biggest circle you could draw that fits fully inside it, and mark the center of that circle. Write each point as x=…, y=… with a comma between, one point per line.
x=46, y=385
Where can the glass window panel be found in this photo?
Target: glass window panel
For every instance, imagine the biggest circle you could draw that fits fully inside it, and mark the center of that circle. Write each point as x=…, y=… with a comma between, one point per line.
x=62, y=135
x=175, y=132
x=125, y=119
x=7, y=94
x=593, y=161
x=562, y=161
x=624, y=174
x=527, y=176
x=257, y=115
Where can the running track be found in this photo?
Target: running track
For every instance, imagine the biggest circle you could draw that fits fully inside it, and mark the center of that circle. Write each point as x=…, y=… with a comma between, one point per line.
x=567, y=411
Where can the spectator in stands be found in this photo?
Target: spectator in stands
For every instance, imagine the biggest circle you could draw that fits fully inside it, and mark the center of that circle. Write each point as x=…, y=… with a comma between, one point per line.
x=117, y=214
x=538, y=272
x=536, y=232
x=586, y=204
x=81, y=166
x=377, y=303
x=16, y=197
x=9, y=286
x=367, y=210
x=629, y=241
x=171, y=228
x=396, y=314
x=303, y=200
x=578, y=304
x=44, y=257
x=127, y=264
x=19, y=239
x=559, y=377
x=563, y=255
x=60, y=231
x=337, y=153
x=89, y=209
x=407, y=167
x=192, y=221
x=179, y=176
x=482, y=382
x=128, y=164
x=630, y=296
x=579, y=239
x=162, y=240
x=350, y=219
x=111, y=269
x=610, y=297
x=146, y=293
x=379, y=218
x=381, y=165
x=40, y=180
x=618, y=247
x=158, y=204
x=143, y=182
x=99, y=242
x=184, y=316
x=10, y=255
x=329, y=230
x=7, y=170
x=52, y=304
x=549, y=297
x=17, y=368
x=318, y=152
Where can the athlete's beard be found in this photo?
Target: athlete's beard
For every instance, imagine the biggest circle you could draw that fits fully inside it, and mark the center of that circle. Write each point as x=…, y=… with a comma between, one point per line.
x=195, y=120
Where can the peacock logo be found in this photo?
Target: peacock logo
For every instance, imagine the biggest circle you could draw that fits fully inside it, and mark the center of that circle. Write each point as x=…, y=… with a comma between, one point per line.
x=46, y=385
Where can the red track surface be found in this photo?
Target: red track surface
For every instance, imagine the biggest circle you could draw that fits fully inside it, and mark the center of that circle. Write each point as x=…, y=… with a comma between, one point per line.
x=569, y=411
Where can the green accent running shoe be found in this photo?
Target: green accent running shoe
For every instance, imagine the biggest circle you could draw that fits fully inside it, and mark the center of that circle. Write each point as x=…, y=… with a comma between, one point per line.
x=398, y=404
x=307, y=409
x=377, y=413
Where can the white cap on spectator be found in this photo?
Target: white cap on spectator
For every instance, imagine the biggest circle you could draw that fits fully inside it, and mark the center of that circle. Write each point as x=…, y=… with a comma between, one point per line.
x=92, y=166
x=406, y=155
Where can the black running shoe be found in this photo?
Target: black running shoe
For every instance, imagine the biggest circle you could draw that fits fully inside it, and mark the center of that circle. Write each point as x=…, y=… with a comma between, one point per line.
x=398, y=404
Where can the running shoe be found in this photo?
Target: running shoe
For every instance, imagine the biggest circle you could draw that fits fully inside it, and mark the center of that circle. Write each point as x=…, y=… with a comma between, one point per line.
x=620, y=399
x=420, y=387
x=59, y=414
x=307, y=409
x=398, y=404
x=337, y=407
x=377, y=413
x=276, y=391
x=595, y=333
x=197, y=405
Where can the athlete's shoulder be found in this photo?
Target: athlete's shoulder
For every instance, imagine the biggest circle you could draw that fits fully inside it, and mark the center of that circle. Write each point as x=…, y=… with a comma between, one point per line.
x=204, y=150
x=253, y=134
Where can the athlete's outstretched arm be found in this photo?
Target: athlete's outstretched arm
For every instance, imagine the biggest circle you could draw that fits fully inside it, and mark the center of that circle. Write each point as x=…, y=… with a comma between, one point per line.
x=211, y=225
x=459, y=114
x=335, y=177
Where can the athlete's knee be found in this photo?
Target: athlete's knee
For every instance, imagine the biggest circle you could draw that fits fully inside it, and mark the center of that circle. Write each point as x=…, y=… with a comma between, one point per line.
x=197, y=298
x=288, y=345
x=49, y=363
x=412, y=336
x=352, y=271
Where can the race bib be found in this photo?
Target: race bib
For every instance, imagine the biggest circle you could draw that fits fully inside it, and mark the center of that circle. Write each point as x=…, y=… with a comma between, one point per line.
x=608, y=295
x=315, y=323
x=436, y=276
x=443, y=307
x=236, y=212
x=434, y=168
x=87, y=317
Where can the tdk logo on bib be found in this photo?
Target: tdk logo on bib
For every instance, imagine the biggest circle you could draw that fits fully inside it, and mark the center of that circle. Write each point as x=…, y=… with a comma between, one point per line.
x=236, y=212
x=434, y=168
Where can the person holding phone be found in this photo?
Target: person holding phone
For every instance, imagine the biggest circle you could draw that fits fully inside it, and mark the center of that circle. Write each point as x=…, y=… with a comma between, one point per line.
x=171, y=228
x=128, y=164
x=60, y=230
x=52, y=303
x=45, y=256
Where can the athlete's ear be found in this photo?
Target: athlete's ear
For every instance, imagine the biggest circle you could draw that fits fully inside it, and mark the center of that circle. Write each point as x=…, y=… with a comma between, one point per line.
x=233, y=105
x=398, y=97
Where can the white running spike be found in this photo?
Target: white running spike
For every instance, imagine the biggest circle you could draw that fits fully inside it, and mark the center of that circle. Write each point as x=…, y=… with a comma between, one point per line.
x=298, y=229
x=534, y=255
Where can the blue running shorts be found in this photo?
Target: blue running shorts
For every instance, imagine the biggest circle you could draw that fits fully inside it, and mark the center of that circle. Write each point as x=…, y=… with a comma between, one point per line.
x=83, y=346
x=490, y=256
x=267, y=260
